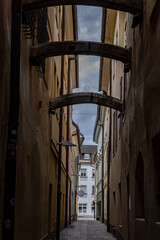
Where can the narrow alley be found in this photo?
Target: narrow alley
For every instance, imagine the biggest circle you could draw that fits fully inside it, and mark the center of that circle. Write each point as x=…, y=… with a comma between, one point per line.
x=80, y=119
x=86, y=229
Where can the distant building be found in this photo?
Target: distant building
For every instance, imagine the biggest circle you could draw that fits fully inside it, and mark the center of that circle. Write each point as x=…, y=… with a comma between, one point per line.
x=77, y=139
x=87, y=181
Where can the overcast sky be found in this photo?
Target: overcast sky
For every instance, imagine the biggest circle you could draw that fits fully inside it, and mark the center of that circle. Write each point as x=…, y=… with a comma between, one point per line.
x=89, y=29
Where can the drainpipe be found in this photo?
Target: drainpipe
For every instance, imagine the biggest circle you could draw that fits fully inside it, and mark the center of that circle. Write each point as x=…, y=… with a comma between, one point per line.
x=68, y=139
x=70, y=203
x=75, y=31
x=60, y=139
x=11, y=155
x=109, y=156
x=102, y=173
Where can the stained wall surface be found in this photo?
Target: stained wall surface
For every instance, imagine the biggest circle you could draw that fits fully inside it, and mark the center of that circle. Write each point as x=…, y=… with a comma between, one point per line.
x=134, y=180
x=5, y=47
x=37, y=152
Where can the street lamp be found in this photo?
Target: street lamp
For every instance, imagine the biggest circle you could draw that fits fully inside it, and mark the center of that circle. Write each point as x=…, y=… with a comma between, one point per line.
x=65, y=144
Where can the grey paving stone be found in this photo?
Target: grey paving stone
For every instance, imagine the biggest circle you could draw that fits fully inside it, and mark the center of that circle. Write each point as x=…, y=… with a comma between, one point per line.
x=86, y=229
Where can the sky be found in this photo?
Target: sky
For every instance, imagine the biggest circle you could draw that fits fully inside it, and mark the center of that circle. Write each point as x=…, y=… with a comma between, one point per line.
x=89, y=29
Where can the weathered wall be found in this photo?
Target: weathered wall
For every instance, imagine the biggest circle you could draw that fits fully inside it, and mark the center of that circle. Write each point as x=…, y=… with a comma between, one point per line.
x=5, y=47
x=139, y=134
x=33, y=163
x=37, y=153
x=145, y=118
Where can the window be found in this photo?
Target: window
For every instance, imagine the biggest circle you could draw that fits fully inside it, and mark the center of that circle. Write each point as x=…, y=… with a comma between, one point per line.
x=87, y=156
x=93, y=173
x=83, y=172
x=84, y=188
x=83, y=208
x=93, y=190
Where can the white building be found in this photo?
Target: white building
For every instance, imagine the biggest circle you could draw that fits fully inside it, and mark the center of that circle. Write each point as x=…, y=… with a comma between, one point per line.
x=87, y=180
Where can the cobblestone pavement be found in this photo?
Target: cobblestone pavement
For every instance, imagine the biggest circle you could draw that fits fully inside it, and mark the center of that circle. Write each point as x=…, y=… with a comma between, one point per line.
x=86, y=229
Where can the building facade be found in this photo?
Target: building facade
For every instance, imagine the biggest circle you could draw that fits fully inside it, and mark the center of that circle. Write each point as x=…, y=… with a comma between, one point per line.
x=77, y=139
x=87, y=181
x=29, y=161
x=131, y=138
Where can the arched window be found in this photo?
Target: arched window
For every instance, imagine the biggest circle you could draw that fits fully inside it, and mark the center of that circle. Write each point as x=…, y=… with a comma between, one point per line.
x=139, y=188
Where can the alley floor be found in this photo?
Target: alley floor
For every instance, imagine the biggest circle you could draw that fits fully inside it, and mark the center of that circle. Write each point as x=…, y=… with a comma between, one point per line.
x=86, y=229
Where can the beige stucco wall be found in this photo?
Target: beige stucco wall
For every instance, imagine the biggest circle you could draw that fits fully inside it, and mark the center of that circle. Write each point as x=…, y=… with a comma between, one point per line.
x=37, y=153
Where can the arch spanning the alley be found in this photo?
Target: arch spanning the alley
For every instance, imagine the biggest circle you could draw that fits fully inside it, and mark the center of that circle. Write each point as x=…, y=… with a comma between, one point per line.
x=51, y=49
x=131, y=6
x=85, y=97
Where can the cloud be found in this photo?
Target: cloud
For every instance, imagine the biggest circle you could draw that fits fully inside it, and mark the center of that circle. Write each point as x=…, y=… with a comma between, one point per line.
x=89, y=21
x=85, y=116
x=87, y=64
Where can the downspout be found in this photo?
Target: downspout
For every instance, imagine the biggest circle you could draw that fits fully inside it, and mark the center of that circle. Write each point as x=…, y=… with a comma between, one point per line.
x=60, y=139
x=70, y=203
x=109, y=156
x=104, y=14
x=102, y=172
x=11, y=155
x=68, y=139
x=75, y=32
x=77, y=162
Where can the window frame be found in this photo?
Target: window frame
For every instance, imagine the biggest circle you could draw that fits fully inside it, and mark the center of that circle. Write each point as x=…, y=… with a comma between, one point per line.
x=83, y=173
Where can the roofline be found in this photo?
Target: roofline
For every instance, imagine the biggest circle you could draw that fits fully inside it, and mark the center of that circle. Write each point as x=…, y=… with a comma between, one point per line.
x=103, y=32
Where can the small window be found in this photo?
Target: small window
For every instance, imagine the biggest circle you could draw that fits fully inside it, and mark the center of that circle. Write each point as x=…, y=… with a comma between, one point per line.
x=83, y=208
x=84, y=188
x=83, y=172
x=87, y=156
x=80, y=208
x=93, y=190
x=93, y=173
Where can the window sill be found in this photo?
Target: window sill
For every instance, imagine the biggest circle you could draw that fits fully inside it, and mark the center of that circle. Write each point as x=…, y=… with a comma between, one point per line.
x=140, y=219
x=157, y=223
